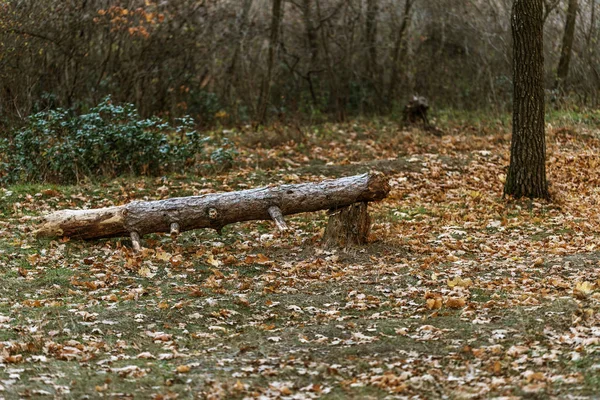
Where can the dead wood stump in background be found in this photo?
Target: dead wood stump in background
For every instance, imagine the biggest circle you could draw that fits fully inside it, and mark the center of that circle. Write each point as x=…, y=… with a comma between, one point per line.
x=416, y=110
x=348, y=226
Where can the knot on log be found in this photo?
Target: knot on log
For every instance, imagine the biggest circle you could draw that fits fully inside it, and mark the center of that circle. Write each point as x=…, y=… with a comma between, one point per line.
x=213, y=213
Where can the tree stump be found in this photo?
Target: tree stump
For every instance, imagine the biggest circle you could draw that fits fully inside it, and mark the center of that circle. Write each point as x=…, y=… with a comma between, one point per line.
x=416, y=110
x=348, y=226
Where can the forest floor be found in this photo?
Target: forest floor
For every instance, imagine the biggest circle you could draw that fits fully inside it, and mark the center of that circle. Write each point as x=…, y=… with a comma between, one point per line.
x=459, y=294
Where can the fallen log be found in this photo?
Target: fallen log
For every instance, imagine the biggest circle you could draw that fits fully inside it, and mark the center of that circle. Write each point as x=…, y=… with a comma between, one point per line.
x=216, y=210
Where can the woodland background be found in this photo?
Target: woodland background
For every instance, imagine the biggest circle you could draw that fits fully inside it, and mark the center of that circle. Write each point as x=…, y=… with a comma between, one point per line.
x=460, y=292
x=333, y=58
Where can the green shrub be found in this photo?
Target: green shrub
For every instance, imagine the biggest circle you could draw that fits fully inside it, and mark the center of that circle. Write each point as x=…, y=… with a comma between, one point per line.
x=110, y=140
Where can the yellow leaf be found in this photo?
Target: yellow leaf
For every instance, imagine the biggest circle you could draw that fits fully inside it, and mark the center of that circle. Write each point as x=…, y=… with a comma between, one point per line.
x=163, y=255
x=583, y=289
x=458, y=281
x=474, y=194
x=145, y=272
x=183, y=369
x=239, y=386
x=163, y=305
x=213, y=261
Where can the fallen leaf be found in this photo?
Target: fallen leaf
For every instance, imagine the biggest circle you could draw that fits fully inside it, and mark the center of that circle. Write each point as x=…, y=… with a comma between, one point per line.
x=183, y=369
x=583, y=289
x=455, y=302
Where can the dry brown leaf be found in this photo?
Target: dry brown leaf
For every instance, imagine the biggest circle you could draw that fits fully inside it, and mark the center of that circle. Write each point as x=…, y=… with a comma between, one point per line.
x=455, y=302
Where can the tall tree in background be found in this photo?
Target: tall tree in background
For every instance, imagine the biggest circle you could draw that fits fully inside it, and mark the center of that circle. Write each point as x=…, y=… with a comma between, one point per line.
x=399, y=50
x=372, y=61
x=527, y=171
x=567, y=45
x=243, y=21
x=265, y=90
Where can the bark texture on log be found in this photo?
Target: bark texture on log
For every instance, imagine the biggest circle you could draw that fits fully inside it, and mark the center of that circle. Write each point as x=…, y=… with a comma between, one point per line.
x=348, y=226
x=214, y=210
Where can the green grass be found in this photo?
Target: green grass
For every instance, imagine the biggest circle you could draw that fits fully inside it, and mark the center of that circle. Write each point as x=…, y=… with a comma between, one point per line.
x=297, y=317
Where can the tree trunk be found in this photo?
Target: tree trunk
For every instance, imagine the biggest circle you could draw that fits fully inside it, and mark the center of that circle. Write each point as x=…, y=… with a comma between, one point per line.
x=399, y=50
x=336, y=99
x=265, y=91
x=592, y=30
x=239, y=39
x=591, y=54
x=214, y=210
x=313, y=46
x=549, y=6
x=567, y=46
x=348, y=226
x=311, y=33
x=372, y=62
x=371, y=34
x=527, y=171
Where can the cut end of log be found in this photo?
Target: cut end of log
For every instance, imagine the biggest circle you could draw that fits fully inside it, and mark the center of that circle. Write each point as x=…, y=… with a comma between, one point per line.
x=348, y=226
x=378, y=186
x=83, y=224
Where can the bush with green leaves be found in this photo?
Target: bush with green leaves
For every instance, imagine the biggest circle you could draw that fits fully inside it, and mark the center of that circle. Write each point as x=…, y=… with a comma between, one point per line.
x=110, y=140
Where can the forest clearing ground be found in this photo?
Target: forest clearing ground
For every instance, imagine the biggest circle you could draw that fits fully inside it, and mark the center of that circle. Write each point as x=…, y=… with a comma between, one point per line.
x=460, y=293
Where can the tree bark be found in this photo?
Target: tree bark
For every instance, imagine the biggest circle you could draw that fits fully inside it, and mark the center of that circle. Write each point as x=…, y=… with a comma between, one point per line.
x=371, y=35
x=214, y=210
x=527, y=171
x=265, y=91
x=399, y=50
x=335, y=77
x=312, y=44
x=567, y=46
x=549, y=6
x=348, y=226
x=311, y=33
x=239, y=39
x=372, y=62
x=592, y=30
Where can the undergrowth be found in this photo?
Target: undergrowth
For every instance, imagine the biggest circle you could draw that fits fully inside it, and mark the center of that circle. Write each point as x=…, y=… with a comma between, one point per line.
x=110, y=140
